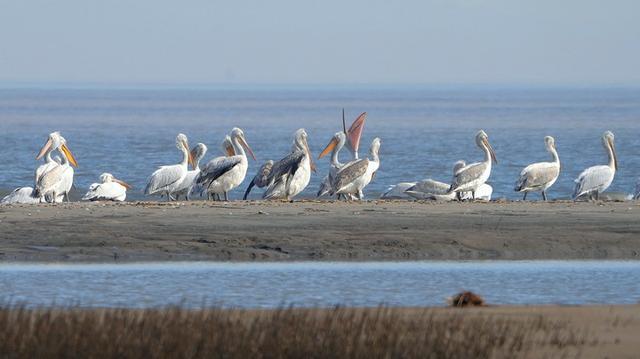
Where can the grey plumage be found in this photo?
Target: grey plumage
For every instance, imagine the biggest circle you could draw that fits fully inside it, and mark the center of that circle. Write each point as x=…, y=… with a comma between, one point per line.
x=349, y=173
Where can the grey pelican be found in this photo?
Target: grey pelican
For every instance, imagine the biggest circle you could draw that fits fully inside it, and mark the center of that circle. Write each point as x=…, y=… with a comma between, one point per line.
x=261, y=179
x=435, y=190
x=166, y=179
x=397, y=191
x=290, y=175
x=222, y=174
x=109, y=189
x=54, y=180
x=335, y=145
x=542, y=175
x=25, y=195
x=353, y=177
x=472, y=176
x=184, y=189
x=595, y=180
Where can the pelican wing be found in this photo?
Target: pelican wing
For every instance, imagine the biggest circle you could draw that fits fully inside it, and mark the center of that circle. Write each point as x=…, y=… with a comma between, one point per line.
x=164, y=177
x=350, y=173
x=216, y=168
x=262, y=177
x=21, y=195
x=397, y=190
x=50, y=179
x=537, y=175
x=430, y=186
x=468, y=173
x=286, y=166
x=592, y=179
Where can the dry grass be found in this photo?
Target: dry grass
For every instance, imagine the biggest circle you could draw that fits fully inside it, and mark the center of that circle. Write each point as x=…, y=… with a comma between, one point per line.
x=285, y=333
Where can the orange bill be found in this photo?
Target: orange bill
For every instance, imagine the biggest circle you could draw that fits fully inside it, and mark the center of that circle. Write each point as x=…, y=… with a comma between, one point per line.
x=69, y=155
x=332, y=144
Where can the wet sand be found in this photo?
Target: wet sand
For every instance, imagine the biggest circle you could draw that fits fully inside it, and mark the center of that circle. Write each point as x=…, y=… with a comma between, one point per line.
x=280, y=231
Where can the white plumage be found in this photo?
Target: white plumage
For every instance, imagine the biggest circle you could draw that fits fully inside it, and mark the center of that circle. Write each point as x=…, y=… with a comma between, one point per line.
x=335, y=145
x=23, y=195
x=223, y=174
x=595, y=180
x=397, y=191
x=472, y=176
x=166, y=179
x=54, y=180
x=542, y=175
x=186, y=186
x=353, y=177
x=435, y=190
x=290, y=176
x=110, y=189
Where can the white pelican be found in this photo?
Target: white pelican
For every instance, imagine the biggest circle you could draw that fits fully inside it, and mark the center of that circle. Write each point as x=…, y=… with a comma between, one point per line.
x=24, y=195
x=397, y=191
x=110, y=189
x=542, y=175
x=595, y=180
x=353, y=177
x=472, y=176
x=189, y=181
x=291, y=175
x=435, y=190
x=261, y=179
x=335, y=145
x=166, y=179
x=54, y=180
x=222, y=174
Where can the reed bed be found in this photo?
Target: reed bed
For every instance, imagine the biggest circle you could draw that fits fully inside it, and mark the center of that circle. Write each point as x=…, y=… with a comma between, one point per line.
x=284, y=333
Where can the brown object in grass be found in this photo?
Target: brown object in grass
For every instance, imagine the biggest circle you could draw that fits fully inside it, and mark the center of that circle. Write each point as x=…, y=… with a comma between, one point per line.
x=466, y=299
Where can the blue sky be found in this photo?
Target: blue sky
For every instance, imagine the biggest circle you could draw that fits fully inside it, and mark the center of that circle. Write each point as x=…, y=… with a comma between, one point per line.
x=574, y=42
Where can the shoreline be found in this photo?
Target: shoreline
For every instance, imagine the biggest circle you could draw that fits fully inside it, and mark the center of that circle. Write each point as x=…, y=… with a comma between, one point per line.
x=250, y=231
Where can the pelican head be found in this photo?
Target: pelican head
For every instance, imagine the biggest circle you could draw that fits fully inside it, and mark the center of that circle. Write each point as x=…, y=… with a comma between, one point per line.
x=108, y=177
x=300, y=142
x=609, y=144
x=227, y=146
x=182, y=143
x=549, y=142
x=54, y=142
x=482, y=140
x=197, y=152
x=337, y=141
x=239, y=134
x=375, y=145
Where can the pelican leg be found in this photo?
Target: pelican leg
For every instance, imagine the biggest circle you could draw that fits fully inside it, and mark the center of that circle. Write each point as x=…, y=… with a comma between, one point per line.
x=458, y=196
x=360, y=195
x=597, y=195
x=544, y=196
x=525, y=196
x=473, y=195
x=226, y=196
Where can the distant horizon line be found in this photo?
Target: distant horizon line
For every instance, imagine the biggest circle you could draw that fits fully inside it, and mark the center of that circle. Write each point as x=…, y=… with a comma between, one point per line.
x=8, y=85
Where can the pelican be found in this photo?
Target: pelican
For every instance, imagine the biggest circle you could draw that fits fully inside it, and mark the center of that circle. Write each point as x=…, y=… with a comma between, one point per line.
x=261, y=179
x=166, y=179
x=353, y=177
x=472, y=176
x=542, y=175
x=291, y=175
x=222, y=174
x=110, y=189
x=483, y=192
x=335, y=145
x=435, y=190
x=397, y=191
x=54, y=180
x=595, y=180
x=24, y=195
x=189, y=181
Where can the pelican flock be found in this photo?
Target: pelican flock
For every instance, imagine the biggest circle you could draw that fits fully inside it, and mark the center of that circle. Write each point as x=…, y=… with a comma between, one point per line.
x=286, y=178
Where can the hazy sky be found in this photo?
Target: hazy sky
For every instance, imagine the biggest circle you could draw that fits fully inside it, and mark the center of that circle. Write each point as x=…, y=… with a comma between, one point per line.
x=332, y=41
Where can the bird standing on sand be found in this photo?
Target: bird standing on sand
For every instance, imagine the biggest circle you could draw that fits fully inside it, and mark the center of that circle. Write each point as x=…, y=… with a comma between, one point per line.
x=222, y=174
x=110, y=189
x=166, y=179
x=471, y=177
x=542, y=175
x=290, y=175
x=54, y=180
x=354, y=176
x=184, y=189
x=595, y=180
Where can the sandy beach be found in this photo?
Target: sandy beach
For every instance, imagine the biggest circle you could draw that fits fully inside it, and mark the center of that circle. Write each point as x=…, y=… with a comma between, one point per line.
x=307, y=230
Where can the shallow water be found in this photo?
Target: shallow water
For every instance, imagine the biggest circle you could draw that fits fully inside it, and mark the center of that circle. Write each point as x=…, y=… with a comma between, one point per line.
x=130, y=132
x=268, y=285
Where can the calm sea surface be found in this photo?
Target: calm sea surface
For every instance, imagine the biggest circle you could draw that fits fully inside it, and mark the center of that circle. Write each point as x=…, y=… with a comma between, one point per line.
x=130, y=132
x=268, y=285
